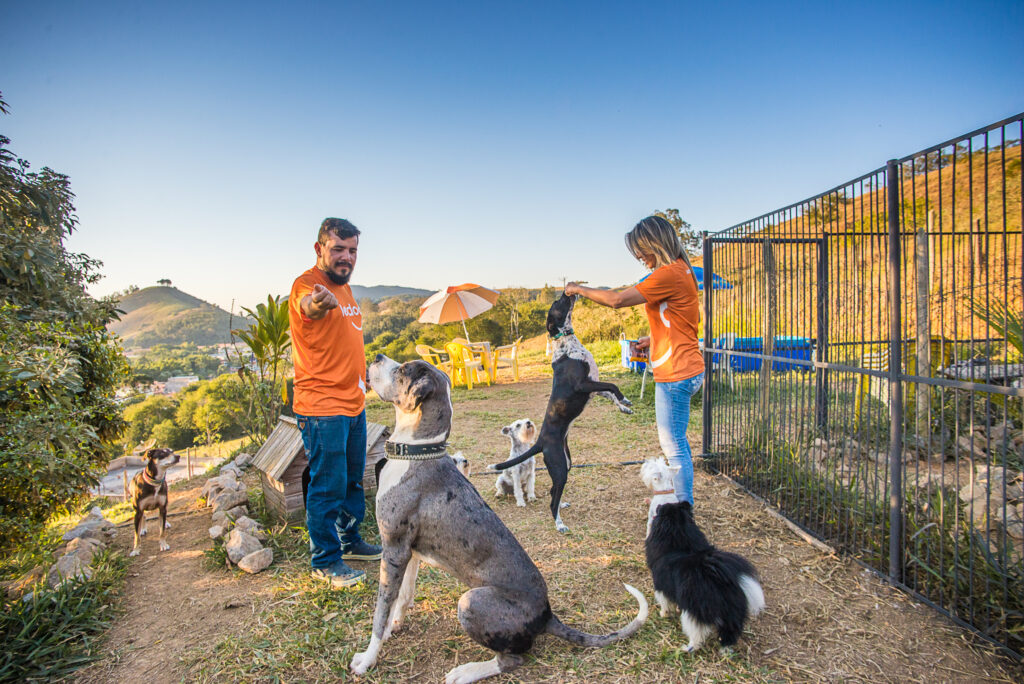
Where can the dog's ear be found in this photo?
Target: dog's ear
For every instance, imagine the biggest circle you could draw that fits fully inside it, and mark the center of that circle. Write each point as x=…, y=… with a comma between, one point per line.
x=506, y=430
x=153, y=453
x=379, y=466
x=423, y=387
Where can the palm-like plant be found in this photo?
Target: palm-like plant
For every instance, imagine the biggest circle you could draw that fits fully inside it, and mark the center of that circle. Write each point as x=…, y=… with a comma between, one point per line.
x=268, y=340
x=1007, y=322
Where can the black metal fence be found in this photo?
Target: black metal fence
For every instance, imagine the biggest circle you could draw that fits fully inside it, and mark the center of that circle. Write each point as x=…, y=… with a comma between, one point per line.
x=865, y=371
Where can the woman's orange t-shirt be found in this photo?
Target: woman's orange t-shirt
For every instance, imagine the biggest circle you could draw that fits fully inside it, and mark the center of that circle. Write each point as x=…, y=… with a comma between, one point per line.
x=330, y=364
x=673, y=310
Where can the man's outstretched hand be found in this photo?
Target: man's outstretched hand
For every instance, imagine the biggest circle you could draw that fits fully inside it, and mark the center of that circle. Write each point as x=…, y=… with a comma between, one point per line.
x=322, y=298
x=318, y=302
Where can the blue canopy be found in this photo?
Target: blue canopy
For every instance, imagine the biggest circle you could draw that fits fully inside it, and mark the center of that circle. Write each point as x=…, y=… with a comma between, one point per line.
x=717, y=281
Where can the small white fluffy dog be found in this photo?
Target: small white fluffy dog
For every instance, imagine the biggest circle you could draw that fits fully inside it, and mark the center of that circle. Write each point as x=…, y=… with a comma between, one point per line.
x=523, y=434
x=657, y=474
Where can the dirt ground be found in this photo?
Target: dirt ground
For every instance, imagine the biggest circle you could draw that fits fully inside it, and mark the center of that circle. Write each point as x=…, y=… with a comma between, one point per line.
x=826, y=619
x=171, y=603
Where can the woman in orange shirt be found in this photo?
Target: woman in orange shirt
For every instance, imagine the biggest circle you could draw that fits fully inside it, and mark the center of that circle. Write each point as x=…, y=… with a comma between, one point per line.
x=669, y=295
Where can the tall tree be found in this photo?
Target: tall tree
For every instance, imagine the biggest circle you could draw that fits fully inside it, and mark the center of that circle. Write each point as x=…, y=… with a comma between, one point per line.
x=58, y=366
x=690, y=238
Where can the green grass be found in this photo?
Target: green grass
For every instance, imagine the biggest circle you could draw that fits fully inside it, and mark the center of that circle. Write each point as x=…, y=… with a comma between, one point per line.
x=58, y=631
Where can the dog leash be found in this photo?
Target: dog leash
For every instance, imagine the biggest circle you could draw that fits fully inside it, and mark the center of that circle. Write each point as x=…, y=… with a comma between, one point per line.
x=415, y=452
x=150, y=481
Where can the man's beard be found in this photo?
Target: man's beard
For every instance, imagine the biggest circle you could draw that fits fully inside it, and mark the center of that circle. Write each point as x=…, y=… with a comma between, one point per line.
x=339, y=279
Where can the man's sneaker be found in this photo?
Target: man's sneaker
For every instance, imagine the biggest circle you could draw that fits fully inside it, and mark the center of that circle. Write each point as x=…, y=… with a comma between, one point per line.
x=362, y=551
x=340, y=575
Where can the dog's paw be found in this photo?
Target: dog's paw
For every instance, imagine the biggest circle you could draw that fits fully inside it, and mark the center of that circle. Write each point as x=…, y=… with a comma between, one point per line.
x=521, y=503
x=625, y=401
x=142, y=532
x=164, y=546
x=564, y=504
x=167, y=525
x=361, y=662
x=623, y=408
x=134, y=552
x=531, y=497
x=562, y=527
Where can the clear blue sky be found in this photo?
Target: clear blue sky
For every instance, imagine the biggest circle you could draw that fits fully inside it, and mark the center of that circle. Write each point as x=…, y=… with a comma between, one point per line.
x=504, y=145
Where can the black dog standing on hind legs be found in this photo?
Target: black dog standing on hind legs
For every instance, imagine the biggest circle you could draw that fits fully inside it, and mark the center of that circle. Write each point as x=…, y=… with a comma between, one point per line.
x=574, y=380
x=148, y=491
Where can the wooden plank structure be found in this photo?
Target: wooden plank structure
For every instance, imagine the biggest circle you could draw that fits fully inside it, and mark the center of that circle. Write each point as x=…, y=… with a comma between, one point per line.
x=282, y=459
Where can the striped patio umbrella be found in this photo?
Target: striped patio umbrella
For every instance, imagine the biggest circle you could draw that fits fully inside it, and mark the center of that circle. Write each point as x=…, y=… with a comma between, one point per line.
x=457, y=303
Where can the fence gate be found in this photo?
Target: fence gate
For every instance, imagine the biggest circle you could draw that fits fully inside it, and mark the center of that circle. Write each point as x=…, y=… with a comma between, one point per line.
x=865, y=374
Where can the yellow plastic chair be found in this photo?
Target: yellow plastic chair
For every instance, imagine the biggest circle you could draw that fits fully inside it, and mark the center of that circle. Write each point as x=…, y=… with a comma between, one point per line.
x=435, y=357
x=507, y=356
x=464, y=365
x=480, y=351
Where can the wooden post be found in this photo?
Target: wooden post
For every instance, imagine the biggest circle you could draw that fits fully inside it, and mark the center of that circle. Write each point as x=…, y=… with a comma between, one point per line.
x=980, y=240
x=188, y=463
x=923, y=328
x=124, y=480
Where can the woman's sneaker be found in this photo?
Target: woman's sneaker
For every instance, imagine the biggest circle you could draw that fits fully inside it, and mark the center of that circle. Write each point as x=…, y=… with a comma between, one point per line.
x=340, y=575
x=362, y=551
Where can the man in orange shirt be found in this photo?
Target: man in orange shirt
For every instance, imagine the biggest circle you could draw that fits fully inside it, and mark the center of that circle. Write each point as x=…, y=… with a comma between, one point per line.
x=330, y=388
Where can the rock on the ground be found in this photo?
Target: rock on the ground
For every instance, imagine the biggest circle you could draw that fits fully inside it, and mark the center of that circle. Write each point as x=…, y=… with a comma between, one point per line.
x=243, y=460
x=240, y=545
x=220, y=518
x=85, y=548
x=225, y=501
x=90, y=527
x=237, y=512
x=69, y=566
x=230, y=469
x=250, y=526
x=216, y=532
x=257, y=561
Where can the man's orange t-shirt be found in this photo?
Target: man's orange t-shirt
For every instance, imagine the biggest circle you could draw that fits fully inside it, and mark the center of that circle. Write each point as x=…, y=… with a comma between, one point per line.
x=673, y=310
x=330, y=365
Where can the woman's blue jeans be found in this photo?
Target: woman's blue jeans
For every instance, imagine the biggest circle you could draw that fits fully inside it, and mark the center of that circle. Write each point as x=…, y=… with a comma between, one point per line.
x=672, y=408
x=335, y=506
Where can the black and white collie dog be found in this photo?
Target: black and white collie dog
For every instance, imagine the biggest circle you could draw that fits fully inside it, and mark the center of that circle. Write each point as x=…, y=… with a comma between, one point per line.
x=712, y=589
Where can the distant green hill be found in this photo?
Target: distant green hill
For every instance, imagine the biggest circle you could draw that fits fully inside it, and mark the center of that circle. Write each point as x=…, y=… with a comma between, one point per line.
x=166, y=315
x=379, y=292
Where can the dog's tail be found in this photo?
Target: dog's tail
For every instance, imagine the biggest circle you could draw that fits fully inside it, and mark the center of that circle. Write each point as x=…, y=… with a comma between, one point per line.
x=574, y=636
x=532, y=451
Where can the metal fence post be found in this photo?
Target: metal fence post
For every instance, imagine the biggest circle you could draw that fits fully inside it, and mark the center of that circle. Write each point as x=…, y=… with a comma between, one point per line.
x=892, y=171
x=705, y=438
x=821, y=374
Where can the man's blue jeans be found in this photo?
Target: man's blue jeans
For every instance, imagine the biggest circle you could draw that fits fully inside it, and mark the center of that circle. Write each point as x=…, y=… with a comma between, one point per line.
x=335, y=507
x=672, y=408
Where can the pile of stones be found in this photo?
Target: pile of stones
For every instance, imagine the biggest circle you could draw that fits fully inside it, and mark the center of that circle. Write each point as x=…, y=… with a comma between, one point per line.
x=243, y=537
x=85, y=540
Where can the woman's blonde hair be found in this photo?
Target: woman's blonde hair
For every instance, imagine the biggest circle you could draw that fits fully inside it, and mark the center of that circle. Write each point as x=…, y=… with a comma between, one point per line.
x=656, y=236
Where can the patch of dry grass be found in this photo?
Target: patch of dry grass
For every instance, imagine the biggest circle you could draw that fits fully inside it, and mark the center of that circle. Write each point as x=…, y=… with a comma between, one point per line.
x=826, y=619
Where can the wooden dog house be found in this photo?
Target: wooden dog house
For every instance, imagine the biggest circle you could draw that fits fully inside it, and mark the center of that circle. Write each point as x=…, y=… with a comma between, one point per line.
x=282, y=460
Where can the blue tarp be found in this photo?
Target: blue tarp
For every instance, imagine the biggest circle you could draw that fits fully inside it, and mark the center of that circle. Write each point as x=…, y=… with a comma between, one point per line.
x=788, y=346
x=717, y=281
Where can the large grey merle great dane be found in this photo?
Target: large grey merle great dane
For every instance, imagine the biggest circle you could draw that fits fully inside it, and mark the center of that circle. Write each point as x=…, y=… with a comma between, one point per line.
x=428, y=512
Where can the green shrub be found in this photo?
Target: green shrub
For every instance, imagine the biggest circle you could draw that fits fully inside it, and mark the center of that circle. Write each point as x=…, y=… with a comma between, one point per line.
x=57, y=631
x=58, y=366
